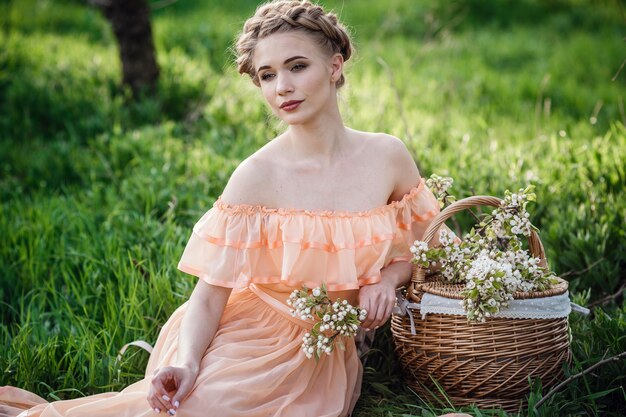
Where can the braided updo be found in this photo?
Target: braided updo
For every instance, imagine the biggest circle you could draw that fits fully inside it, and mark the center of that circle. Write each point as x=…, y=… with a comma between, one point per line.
x=286, y=16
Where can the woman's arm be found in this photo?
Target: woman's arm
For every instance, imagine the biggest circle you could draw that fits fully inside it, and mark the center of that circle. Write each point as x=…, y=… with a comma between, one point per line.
x=171, y=384
x=206, y=304
x=200, y=322
x=378, y=299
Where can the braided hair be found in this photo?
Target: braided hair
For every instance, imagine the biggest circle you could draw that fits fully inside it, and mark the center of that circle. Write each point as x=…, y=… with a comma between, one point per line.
x=291, y=15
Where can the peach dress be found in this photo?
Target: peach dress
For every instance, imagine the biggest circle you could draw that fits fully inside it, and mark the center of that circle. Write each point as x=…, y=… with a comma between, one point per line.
x=255, y=366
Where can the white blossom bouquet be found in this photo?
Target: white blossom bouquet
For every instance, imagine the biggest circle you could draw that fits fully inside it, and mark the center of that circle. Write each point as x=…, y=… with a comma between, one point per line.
x=490, y=261
x=332, y=319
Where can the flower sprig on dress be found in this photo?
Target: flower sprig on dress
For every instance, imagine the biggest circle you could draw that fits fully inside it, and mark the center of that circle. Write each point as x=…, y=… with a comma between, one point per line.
x=332, y=319
x=490, y=260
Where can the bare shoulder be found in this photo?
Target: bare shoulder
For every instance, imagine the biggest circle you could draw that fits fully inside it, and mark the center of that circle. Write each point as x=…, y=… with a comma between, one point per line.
x=249, y=181
x=387, y=146
x=400, y=162
x=389, y=142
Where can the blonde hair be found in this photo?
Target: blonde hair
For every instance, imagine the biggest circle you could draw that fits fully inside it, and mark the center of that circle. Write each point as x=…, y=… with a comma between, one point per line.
x=286, y=16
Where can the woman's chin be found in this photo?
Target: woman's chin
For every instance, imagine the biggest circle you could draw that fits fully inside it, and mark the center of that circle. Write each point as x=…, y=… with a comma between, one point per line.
x=293, y=119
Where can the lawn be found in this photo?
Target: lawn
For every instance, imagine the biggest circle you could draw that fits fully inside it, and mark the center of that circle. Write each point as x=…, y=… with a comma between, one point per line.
x=98, y=194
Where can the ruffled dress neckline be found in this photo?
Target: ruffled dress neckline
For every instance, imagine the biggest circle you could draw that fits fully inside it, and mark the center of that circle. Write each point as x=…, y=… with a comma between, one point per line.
x=264, y=210
x=234, y=245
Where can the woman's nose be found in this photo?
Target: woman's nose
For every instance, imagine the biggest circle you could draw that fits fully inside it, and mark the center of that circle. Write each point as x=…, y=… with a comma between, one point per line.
x=283, y=84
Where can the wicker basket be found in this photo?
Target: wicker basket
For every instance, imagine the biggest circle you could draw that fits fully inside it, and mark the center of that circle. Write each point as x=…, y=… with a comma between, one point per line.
x=488, y=364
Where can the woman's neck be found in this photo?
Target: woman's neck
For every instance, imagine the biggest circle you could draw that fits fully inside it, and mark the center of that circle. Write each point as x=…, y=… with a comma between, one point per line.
x=321, y=142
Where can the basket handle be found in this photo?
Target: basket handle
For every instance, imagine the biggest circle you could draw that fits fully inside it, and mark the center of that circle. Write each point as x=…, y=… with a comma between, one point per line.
x=534, y=243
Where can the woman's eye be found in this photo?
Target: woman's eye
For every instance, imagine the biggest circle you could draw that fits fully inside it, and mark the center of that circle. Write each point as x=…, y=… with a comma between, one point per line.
x=266, y=76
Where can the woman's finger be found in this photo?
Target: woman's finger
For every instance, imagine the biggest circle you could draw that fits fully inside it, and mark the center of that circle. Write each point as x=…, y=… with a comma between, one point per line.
x=158, y=386
x=161, y=404
x=389, y=308
x=366, y=306
x=383, y=311
x=371, y=316
x=166, y=400
x=380, y=315
x=383, y=318
x=160, y=393
x=153, y=404
x=156, y=402
x=183, y=390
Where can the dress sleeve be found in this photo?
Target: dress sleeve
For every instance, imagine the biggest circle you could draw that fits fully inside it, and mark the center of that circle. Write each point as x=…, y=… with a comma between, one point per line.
x=413, y=216
x=223, y=249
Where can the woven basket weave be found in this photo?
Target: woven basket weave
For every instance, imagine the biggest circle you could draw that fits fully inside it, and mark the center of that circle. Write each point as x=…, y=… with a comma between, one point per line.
x=487, y=364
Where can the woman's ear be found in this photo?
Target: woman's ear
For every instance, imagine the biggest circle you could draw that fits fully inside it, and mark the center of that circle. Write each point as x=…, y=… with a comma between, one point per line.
x=336, y=67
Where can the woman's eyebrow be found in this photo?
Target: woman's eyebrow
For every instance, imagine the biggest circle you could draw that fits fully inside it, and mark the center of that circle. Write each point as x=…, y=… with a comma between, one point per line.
x=288, y=60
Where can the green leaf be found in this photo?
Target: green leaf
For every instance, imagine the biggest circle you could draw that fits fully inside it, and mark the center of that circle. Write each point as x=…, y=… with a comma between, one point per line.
x=596, y=395
x=382, y=389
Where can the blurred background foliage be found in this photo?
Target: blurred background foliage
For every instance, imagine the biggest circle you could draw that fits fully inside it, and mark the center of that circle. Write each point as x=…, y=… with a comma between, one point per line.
x=99, y=192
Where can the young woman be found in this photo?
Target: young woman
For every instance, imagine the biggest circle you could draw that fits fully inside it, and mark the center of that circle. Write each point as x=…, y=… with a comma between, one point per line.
x=320, y=203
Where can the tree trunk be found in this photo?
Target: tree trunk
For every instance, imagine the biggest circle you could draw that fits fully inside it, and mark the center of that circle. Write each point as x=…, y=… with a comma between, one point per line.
x=130, y=20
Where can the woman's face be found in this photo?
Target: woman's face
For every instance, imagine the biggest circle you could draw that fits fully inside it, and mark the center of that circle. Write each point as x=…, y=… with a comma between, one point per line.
x=296, y=76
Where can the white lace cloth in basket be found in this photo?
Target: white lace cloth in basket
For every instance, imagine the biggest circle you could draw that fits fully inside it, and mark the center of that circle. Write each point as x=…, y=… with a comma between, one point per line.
x=532, y=308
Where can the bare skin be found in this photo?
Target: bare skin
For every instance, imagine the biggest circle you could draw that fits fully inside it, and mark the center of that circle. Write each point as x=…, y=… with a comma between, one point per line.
x=359, y=179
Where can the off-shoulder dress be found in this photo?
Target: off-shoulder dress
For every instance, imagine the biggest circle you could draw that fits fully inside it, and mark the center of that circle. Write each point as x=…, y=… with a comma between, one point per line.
x=255, y=366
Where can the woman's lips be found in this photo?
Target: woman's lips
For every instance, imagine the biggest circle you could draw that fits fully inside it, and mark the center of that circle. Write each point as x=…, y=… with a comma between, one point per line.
x=291, y=105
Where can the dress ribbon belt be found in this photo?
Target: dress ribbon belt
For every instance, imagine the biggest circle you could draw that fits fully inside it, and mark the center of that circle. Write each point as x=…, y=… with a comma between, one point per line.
x=279, y=307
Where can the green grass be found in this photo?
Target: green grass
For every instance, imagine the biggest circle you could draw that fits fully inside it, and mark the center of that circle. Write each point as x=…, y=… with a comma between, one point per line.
x=98, y=196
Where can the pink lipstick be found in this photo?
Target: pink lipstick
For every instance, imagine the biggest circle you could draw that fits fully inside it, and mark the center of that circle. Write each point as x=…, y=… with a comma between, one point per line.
x=291, y=105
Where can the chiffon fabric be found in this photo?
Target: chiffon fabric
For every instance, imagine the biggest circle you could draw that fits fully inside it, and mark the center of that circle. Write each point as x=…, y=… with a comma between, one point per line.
x=255, y=366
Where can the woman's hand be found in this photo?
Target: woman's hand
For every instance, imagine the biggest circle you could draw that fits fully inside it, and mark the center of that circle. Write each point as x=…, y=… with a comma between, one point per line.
x=378, y=300
x=169, y=386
